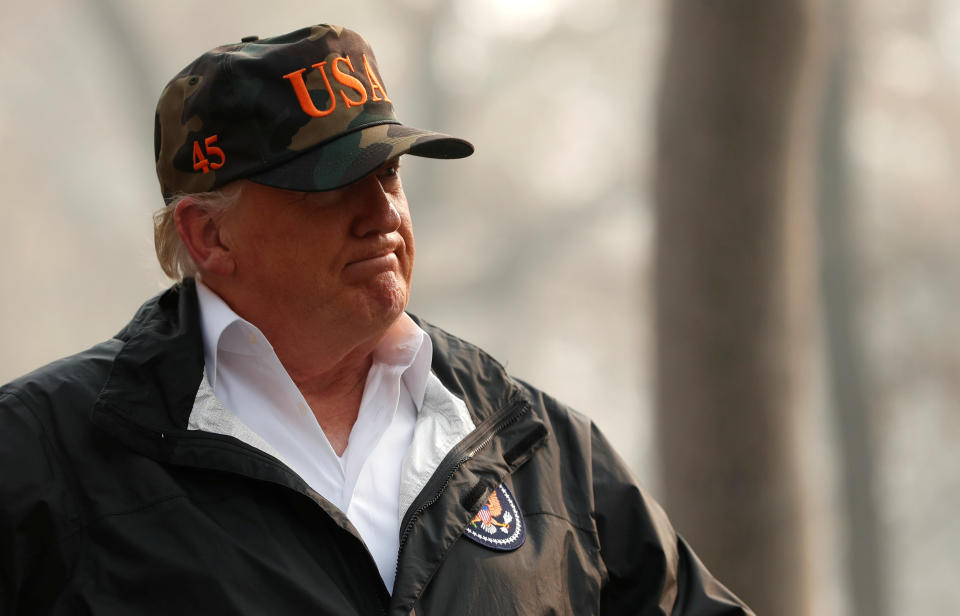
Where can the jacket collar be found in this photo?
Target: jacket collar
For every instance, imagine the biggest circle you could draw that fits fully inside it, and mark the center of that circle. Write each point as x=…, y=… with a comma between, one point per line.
x=470, y=373
x=147, y=400
x=156, y=375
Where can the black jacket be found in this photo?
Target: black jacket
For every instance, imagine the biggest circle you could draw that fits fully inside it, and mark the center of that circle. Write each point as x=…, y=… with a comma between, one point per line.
x=109, y=505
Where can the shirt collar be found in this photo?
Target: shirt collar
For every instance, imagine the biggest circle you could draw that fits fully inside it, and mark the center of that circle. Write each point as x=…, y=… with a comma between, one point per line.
x=409, y=349
x=215, y=317
x=405, y=345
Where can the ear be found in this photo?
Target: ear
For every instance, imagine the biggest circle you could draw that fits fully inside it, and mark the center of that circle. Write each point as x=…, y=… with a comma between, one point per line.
x=202, y=234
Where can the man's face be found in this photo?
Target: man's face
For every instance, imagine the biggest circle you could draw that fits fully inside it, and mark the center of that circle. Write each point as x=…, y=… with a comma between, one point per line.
x=341, y=258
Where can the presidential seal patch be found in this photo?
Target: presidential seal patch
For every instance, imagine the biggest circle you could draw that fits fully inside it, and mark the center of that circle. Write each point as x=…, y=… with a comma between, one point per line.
x=498, y=525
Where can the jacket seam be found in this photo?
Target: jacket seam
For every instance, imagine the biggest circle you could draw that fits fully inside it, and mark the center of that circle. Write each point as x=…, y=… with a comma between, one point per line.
x=92, y=521
x=138, y=509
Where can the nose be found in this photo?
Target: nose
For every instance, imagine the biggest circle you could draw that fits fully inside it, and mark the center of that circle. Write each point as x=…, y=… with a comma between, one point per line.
x=374, y=211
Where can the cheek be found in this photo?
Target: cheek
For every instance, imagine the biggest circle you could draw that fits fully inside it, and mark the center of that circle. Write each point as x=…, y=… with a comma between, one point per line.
x=410, y=249
x=411, y=254
x=272, y=260
x=259, y=253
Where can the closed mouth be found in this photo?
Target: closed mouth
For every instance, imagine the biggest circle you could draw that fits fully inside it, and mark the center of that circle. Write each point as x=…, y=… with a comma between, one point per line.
x=374, y=257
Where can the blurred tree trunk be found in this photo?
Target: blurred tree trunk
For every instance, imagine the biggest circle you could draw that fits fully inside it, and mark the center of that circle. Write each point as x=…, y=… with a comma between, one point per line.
x=728, y=309
x=428, y=102
x=865, y=556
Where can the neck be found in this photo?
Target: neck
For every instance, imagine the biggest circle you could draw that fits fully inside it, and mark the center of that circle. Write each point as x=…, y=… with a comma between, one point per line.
x=328, y=360
x=334, y=397
x=331, y=375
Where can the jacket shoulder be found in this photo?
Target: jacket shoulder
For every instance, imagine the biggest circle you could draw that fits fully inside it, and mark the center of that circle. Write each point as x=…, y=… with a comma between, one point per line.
x=73, y=381
x=58, y=397
x=43, y=423
x=44, y=416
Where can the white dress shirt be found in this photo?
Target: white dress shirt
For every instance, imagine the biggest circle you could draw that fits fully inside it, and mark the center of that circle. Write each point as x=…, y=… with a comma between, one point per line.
x=249, y=381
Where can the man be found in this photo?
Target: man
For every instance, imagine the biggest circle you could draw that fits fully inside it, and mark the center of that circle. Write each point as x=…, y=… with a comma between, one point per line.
x=274, y=434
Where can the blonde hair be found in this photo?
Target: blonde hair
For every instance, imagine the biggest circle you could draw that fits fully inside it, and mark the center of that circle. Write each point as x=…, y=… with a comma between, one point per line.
x=172, y=253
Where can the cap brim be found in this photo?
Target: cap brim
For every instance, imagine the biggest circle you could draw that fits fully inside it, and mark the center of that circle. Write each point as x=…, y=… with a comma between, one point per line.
x=349, y=157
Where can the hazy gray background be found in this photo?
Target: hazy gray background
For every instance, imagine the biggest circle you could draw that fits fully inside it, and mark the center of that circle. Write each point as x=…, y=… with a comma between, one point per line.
x=540, y=246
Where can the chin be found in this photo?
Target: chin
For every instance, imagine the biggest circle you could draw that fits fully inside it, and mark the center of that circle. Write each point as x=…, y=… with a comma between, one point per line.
x=388, y=301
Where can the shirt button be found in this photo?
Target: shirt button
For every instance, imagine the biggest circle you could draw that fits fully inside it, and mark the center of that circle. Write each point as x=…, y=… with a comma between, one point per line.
x=303, y=408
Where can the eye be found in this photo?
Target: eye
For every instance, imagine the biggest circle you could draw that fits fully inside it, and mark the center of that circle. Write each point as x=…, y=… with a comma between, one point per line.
x=391, y=169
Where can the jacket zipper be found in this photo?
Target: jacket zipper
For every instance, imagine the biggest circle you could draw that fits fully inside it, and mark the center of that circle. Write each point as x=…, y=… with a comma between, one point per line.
x=512, y=414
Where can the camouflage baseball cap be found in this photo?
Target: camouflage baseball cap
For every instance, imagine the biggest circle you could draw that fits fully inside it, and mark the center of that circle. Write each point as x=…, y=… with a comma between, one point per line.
x=303, y=111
